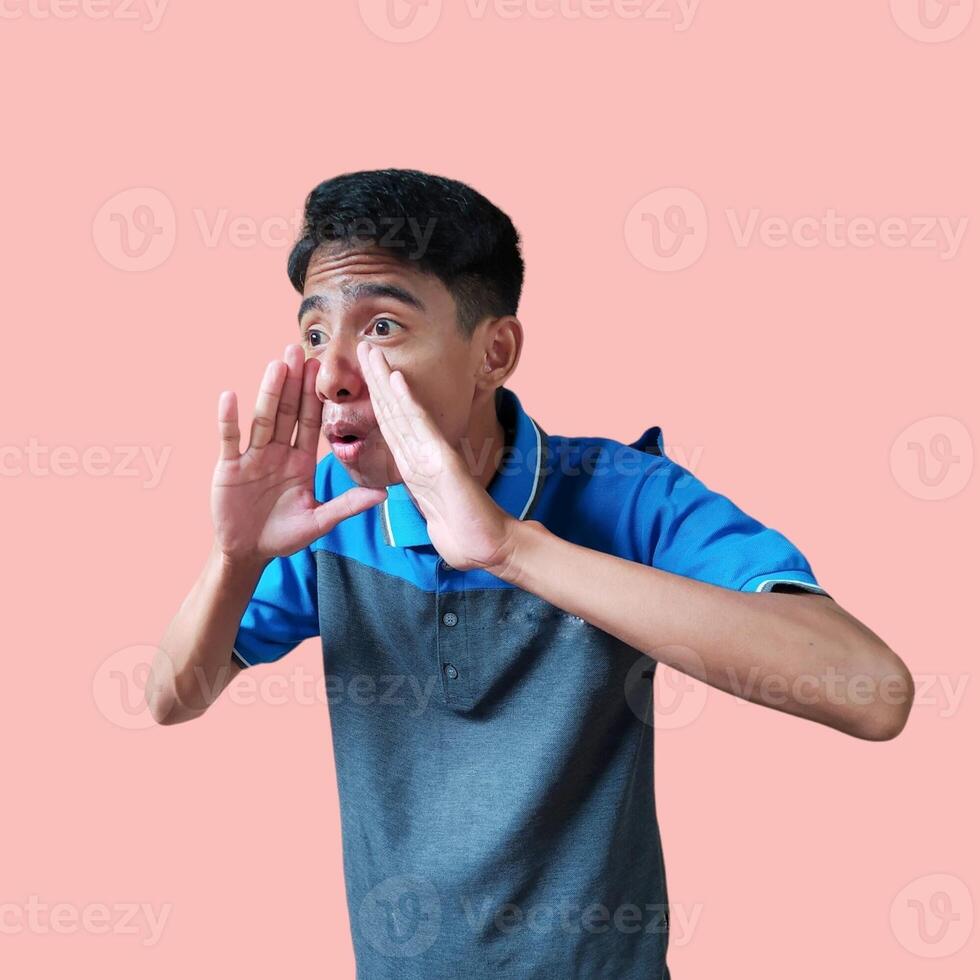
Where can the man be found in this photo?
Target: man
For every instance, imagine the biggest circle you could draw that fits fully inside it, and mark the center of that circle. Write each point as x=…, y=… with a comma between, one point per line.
x=514, y=590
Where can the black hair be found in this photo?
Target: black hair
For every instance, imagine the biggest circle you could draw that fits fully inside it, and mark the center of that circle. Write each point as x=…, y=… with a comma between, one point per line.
x=440, y=225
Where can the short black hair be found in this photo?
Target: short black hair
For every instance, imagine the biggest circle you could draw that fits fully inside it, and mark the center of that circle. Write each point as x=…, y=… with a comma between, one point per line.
x=440, y=225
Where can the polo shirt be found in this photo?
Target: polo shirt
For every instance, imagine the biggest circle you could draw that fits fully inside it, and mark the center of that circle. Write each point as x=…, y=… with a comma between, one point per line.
x=494, y=753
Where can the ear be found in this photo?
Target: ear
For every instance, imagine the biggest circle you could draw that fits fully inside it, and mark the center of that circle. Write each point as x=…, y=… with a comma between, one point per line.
x=503, y=339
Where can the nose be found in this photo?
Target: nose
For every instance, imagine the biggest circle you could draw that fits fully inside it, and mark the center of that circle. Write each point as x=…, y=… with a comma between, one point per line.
x=339, y=378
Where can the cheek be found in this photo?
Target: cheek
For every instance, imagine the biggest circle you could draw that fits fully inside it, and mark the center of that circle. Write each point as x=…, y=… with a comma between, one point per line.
x=437, y=379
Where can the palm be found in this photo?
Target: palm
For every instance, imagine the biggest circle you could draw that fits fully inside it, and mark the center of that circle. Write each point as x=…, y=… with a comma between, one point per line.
x=262, y=500
x=464, y=523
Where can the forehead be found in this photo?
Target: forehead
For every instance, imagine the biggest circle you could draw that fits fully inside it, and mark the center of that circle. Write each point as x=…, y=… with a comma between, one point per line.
x=338, y=264
x=340, y=274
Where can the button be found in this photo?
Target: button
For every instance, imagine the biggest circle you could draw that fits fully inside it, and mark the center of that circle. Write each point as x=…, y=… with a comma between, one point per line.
x=450, y=619
x=451, y=672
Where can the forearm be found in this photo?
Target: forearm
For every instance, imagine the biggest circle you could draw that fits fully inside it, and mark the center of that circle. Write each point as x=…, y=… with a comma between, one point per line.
x=193, y=664
x=800, y=654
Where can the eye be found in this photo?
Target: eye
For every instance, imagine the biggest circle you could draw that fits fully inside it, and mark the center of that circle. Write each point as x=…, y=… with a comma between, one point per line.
x=315, y=337
x=386, y=326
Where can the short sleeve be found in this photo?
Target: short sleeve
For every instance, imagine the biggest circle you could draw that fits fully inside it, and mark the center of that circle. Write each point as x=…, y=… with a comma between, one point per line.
x=281, y=613
x=702, y=534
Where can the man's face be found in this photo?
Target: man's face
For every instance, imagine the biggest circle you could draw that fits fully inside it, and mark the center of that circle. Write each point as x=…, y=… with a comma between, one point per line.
x=357, y=292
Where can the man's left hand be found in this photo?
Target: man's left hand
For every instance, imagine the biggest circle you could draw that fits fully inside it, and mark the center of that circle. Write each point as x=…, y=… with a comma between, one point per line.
x=466, y=526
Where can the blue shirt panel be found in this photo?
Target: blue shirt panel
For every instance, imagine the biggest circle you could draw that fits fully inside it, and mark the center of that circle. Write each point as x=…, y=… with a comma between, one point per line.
x=631, y=501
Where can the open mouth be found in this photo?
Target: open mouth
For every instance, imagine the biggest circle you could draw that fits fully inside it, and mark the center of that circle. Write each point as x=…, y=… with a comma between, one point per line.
x=347, y=446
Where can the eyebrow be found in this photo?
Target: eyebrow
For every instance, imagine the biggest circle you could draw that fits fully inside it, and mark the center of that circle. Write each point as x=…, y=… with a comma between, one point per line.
x=359, y=291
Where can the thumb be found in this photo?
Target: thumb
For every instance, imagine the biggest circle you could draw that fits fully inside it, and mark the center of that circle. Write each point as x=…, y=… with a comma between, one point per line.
x=354, y=501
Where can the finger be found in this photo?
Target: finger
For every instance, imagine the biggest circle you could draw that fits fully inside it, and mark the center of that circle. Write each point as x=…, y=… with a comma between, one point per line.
x=266, y=406
x=228, y=425
x=327, y=516
x=399, y=386
x=404, y=418
x=372, y=374
x=387, y=406
x=289, y=401
x=311, y=411
x=375, y=369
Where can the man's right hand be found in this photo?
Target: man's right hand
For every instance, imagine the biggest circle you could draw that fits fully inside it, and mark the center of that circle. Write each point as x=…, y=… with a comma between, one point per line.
x=262, y=501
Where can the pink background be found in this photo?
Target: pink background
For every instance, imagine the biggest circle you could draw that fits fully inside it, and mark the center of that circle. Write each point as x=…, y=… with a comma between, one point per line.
x=784, y=377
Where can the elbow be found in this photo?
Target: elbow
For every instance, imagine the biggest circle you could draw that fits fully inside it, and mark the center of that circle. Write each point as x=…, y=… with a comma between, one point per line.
x=163, y=698
x=163, y=705
x=169, y=711
x=891, y=694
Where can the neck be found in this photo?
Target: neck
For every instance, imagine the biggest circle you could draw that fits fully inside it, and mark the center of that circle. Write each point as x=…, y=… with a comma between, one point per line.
x=483, y=444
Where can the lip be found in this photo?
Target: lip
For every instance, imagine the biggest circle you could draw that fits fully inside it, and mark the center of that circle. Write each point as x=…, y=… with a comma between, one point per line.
x=335, y=430
x=346, y=452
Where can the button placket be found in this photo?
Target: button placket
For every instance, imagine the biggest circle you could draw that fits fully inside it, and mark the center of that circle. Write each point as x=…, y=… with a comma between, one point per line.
x=451, y=640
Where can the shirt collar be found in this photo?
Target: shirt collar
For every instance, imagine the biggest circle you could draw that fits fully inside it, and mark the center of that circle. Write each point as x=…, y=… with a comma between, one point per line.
x=514, y=487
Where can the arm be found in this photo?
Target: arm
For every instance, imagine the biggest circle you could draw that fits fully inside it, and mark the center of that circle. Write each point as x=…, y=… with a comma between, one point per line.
x=802, y=654
x=193, y=664
x=263, y=507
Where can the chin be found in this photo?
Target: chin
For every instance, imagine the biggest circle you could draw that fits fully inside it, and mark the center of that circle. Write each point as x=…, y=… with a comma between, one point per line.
x=371, y=471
